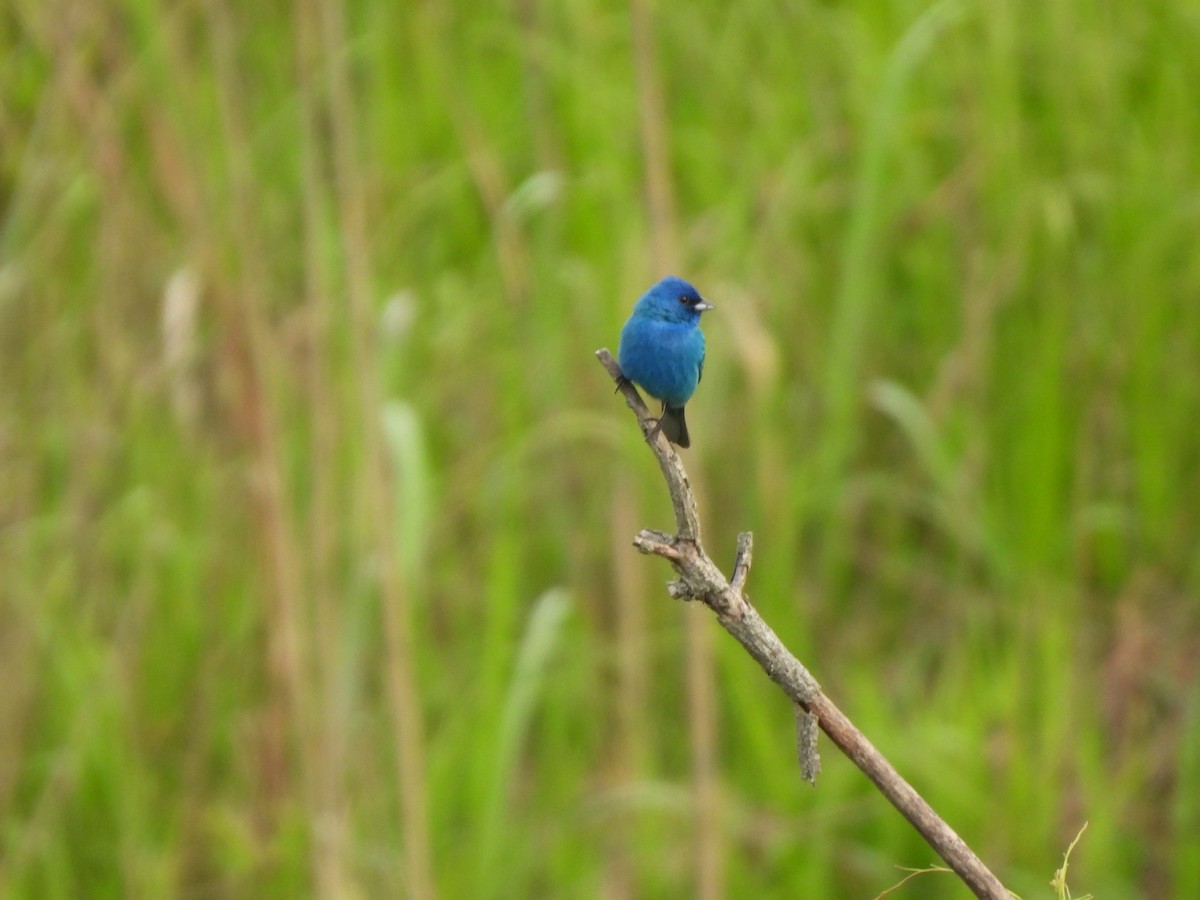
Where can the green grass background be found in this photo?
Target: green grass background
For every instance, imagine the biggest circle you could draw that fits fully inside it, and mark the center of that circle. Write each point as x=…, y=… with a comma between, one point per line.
x=315, y=509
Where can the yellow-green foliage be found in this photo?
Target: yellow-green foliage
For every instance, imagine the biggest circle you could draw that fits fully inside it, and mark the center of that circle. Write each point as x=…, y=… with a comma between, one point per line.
x=315, y=508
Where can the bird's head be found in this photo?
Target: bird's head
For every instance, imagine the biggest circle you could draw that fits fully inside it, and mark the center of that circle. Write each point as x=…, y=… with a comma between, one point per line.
x=672, y=299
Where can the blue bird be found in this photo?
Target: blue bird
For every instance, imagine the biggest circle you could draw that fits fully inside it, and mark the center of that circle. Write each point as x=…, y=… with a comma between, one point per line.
x=662, y=349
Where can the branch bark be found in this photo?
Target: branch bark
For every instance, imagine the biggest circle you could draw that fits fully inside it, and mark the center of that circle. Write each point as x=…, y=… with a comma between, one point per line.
x=701, y=579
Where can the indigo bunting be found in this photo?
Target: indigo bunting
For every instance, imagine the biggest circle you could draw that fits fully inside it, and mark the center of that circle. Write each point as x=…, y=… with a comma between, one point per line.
x=662, y=349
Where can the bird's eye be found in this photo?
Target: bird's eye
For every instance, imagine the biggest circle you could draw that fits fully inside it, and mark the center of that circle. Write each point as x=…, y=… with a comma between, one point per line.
x=684, y=299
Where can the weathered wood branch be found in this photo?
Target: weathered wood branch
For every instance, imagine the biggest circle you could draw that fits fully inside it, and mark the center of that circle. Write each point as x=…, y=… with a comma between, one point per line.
x=701, y=579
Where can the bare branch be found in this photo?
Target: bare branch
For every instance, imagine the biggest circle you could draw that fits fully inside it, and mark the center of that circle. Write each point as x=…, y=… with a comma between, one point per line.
x=701, y=579
x=686, y=518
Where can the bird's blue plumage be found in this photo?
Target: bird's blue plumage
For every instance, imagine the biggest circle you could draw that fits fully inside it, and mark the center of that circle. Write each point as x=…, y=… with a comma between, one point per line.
x=662, y=349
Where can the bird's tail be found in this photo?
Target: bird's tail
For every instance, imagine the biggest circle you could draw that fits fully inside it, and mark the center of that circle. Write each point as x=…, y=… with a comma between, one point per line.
x=674, y=426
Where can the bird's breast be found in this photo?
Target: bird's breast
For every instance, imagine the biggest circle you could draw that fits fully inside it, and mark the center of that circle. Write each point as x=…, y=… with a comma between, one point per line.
x=663, y=357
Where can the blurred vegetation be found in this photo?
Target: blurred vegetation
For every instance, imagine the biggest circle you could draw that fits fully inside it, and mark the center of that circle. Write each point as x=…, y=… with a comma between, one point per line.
x=315, y=509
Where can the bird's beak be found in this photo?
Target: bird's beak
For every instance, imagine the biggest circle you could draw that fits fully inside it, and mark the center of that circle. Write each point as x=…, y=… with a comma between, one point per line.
x=703, y=305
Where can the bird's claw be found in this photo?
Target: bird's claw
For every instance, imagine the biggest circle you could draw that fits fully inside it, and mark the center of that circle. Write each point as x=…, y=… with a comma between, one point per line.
x=654, y=431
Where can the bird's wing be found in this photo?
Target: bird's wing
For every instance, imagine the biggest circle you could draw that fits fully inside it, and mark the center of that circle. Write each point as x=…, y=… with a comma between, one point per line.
x=700, y=373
